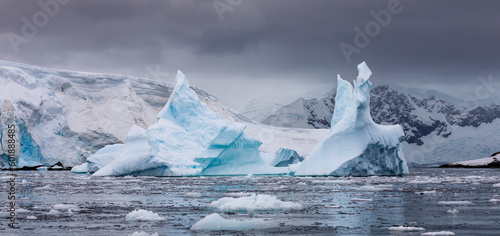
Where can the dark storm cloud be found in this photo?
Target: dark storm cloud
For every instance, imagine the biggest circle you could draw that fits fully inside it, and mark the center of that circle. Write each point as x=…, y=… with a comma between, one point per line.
x=287, y=44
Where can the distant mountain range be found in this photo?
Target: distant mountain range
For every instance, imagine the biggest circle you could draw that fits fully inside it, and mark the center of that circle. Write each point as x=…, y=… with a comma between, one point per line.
x=434, y=122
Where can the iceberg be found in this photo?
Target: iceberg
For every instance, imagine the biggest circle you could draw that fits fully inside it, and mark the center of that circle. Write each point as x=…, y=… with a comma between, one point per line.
x=356, y=145
x=216, y=222
x=188, y=139
x=284, y=157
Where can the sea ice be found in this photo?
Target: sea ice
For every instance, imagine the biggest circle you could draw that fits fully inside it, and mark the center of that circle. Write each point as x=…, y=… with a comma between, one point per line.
x=369, y=188
x=437, y=233
x=217, y=222
x=361, y=200
x=453, y=211
x=142, y=233
x=63, y=207
x=143, y=215
x=54, y=212
x=193, y=195
x=406, y=228
x=259, y=202
x=356, y=146
x=455, y=203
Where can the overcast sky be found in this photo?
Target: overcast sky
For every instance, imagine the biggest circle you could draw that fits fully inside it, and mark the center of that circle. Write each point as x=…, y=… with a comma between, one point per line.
x=243, y=49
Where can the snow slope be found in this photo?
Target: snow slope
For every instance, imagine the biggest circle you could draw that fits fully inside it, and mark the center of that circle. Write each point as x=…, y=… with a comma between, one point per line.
x=259, y=109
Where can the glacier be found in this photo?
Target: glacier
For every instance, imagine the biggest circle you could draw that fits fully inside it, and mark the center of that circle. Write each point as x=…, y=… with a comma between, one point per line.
x=356, y=145
x=188, y=139
x=65, y=116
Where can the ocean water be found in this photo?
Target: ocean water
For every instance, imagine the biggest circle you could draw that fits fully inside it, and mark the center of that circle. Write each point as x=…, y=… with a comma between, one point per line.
x=420, y=199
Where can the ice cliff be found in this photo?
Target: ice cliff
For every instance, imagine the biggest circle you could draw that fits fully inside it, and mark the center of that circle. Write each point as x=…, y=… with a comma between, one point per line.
x=188, y=139
x=64, y=116
x=356, y=145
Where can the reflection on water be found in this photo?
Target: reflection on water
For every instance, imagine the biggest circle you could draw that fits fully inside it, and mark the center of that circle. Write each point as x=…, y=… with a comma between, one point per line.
x=332, y=205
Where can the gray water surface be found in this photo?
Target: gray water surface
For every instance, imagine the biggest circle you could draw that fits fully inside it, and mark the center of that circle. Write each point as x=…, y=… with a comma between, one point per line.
x=328, y=203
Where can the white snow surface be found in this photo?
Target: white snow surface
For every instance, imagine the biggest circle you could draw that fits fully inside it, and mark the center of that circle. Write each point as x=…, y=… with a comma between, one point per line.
x=356, y=146
x=143, y=215
x=478, y=162
x=217, y=222
x=259, y=202
x=142, y=233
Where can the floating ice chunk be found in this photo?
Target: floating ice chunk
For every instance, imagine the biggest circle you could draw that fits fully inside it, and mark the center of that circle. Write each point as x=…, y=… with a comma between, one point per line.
x=437, y=233
x=249, y=176
x=24, y=181
x=54, y=212
x=142, y=233
x=356, y=145
x=193, y=195
x=254, y=202
x=406, y=228
x=361, y=200
x=48, y=186
x=369, y=188
x=284, y=157
x=63, y=207
x=143, y=215
x=453, y=211
x=217, y=222
x=237, y=194
x=455, y=203
x=496, y=185
x=82, y=168
x=31, y=217
x=427, y=192
x=42, y=168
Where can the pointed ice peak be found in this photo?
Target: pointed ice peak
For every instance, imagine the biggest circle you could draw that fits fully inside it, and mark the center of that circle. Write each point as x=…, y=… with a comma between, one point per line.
x=364, y=74
x=180, y=79
x=181, y=92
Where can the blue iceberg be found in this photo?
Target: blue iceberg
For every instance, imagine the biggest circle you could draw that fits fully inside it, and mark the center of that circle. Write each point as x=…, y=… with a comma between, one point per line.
x=188, y=139
x=356, y=146
x=284, y=157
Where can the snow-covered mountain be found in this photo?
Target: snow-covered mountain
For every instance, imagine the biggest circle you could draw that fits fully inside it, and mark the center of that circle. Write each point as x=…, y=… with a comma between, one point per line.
x=438, y=128
x=260, y=108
